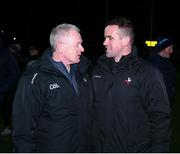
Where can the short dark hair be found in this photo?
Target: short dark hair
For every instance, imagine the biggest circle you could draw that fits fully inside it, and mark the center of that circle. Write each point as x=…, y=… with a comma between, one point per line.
x=125, y=24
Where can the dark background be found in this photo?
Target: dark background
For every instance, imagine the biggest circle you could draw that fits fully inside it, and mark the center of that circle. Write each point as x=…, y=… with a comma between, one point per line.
x=31, y=21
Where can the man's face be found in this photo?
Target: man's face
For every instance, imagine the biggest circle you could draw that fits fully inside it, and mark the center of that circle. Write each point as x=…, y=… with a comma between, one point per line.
x=113, y=41
x=168, y=51
x=72, y=47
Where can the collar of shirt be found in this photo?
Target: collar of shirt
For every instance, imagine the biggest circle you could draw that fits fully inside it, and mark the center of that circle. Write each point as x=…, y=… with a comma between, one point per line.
x=70, y=75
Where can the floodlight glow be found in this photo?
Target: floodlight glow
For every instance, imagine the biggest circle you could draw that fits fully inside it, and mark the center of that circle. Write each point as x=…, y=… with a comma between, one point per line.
x=151, y=43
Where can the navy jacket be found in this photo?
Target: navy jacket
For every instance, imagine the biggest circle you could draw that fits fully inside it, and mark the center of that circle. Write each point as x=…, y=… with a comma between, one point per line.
x=168, y=71
x=131, y=109
x=48, y=115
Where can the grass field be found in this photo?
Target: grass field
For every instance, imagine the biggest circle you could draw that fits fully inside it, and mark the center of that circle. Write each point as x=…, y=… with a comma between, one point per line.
x=6, y=144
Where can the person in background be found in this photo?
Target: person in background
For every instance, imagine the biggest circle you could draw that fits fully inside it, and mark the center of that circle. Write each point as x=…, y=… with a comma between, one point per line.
x=131, y=106
x=10, y=74
x=53, y=102
x=15, y=49
x=34, y=54
x=161, y=60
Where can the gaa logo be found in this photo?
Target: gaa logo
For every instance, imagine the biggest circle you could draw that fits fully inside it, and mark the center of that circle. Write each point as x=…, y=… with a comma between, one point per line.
x=53, y=86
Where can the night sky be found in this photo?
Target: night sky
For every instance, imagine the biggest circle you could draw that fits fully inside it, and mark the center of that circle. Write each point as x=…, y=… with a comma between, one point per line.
x=32, y=21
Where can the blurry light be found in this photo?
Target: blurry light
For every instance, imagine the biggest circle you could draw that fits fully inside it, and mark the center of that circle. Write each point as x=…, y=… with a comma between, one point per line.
x=14, y=38
x=2, y=31
x=151, y=43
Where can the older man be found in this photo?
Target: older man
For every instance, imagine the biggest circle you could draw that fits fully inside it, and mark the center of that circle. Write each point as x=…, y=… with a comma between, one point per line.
x=52, y=107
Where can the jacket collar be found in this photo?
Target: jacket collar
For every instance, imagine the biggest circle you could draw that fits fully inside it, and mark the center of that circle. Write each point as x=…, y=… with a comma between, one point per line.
x=44, y=64
x=126, y=62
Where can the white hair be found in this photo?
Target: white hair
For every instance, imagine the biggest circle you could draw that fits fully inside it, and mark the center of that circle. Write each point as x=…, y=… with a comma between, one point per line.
x=60, y=31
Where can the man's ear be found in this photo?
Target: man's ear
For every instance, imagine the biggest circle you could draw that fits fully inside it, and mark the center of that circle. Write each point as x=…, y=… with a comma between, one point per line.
x=126, y=40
